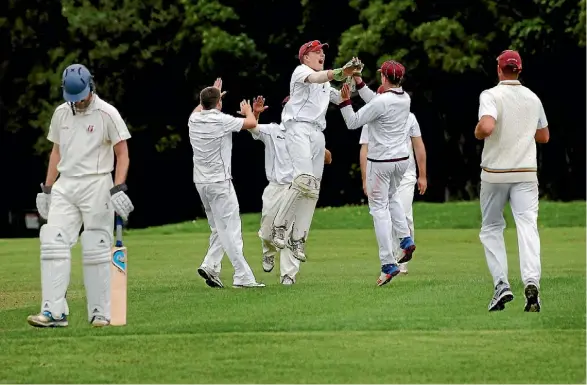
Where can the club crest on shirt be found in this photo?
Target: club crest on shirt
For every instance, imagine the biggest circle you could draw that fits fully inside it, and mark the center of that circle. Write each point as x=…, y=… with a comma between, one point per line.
x=90, y=128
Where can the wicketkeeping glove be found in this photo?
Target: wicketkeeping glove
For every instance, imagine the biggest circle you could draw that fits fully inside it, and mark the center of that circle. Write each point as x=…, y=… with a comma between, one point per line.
x=358, y=66
x=44, y=201
x=355, y=64
x=121, y=202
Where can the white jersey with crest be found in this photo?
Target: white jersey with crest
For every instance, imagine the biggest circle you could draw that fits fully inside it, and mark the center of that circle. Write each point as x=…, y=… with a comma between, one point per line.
x=413, y=132
x=211, y=139
x=278, y=164
x=509, y=153
x=86, y=138
x=308, y=102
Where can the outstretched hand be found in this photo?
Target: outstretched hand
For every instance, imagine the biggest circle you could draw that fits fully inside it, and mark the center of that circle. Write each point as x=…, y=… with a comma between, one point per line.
x=345, y=92
x=259, y=105
x=218, y=84
x=245, y=108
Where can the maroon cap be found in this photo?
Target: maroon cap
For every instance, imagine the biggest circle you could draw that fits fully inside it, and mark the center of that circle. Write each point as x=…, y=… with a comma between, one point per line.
x=392, y=70
x=510, y=58
x=285, y=101
x=310, y=46
x=380, y=89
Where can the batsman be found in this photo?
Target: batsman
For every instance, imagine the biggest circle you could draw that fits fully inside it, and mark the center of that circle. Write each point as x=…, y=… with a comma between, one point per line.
x=86, y=133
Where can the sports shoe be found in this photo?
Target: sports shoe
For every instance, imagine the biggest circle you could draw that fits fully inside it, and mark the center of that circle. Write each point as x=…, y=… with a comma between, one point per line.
x=387, y=273
x=99, y=321
x=532, y=304
x=268, y=263
x=403, y=268
x=297, y=250
x=211, y=277
x=278, y=237
x=503, y=294
x=248, y=285
x=46, y=320
x=287, y=280
x=408, y=246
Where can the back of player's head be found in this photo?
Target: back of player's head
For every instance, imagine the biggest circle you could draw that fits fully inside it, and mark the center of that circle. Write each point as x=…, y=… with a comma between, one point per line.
x=209, y=97
x=510, y=62
x=393, y=71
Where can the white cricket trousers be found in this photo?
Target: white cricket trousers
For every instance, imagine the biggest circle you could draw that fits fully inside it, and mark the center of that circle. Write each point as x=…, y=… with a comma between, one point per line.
x=383, y=179
x=76, y=201
x=523, y=198
x=405, y=193
x=222, y=211
x=272, y=197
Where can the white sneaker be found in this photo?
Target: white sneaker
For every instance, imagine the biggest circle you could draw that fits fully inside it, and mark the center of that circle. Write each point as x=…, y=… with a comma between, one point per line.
x=287, y=280
x=403, y=268
x=297, y=250
x=212, y=279
x=268, y=263
x=46, y=320
x=99, y=321
x=248, y=285
x=278, y=237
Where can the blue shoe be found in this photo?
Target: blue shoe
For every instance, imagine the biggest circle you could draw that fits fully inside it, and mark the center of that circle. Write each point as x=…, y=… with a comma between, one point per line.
x=408, y=246
x=46, y=320
x=387, y=273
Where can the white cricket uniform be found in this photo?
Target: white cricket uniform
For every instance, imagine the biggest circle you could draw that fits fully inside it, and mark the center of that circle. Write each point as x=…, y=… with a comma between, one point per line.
x=387, y=160
x=509, y=166
x=405, y=190
x=210, y=134
x=279, y=172
x=81, y=195
x=304, y=119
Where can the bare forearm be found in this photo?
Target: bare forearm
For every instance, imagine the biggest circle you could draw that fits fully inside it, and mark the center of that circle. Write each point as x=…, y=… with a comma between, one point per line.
x=421, y=162
x=52, y=172
x=363, y=162
x=320, y=77
x=122, y=163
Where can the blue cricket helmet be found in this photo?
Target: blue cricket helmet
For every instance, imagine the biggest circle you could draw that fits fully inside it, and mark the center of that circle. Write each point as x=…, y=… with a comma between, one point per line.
x=76, y=83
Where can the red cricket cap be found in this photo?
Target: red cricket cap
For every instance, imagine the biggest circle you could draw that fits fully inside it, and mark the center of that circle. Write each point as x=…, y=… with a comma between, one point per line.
x=380, y=89
x=510, y=58
x=285, y=101
x=392, y=70
x=311, y=46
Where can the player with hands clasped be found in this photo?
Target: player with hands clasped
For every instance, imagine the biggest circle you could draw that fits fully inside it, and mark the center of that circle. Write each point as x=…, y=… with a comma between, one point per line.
x=87, y=133
x=387, y=115
x=405, y=190
x=511, y=121
x=210, y=132
x=304, y=119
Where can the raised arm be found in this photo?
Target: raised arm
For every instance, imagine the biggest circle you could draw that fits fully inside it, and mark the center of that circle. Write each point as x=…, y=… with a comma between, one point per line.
x=366, y=114
x=365, y=93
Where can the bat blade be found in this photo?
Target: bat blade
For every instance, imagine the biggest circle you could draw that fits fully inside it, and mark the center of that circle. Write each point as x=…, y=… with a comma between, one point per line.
x=118, y=280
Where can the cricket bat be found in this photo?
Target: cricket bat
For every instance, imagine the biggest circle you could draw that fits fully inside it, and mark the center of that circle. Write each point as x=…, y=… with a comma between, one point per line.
x=118, y=271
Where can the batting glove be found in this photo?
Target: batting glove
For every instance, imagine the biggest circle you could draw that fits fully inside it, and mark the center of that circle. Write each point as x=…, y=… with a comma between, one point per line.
x=120, y=201
x=44, y=201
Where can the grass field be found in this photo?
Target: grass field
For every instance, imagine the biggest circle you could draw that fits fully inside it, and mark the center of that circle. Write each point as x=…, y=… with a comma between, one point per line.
x=333, y=326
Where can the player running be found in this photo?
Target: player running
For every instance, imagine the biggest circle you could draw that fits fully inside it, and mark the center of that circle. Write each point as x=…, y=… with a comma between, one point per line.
x=304, y=119
x=405, y=189
x=86, y=132
x=387, y=115
x=210, y=133
x=511, y=121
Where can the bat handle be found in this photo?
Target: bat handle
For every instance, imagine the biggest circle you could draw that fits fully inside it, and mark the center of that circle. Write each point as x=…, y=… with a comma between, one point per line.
x=118, y=224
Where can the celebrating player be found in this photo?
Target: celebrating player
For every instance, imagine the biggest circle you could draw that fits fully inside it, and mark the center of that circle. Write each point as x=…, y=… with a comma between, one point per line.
x=511, y=121
x=387, y=157
x=405, y=190
x=304, y=119
x=279, y=172
x=210, y=133
x=86, y=133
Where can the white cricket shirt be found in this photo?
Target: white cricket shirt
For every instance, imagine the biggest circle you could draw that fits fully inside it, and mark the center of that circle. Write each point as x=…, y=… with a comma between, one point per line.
x=308, y=102
x=278, y=164
x=413, y=132
x=86, y=139
x=211, y=139
x=509, y=153
x=387, y=116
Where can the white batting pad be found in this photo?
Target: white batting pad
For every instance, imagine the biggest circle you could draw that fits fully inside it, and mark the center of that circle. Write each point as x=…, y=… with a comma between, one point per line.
x=305, y=187
x=96, y=249
x=55, y=269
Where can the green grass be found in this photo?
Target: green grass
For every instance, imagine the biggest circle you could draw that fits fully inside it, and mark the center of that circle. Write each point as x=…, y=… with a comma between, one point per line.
x=333, y=326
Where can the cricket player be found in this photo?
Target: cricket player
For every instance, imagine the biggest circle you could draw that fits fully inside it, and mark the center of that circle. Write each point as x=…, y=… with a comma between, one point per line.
x=387, y=115
x=86, y=132
x=405, y=190
x=210, y=133
x=511, y=121
x=304, y=119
